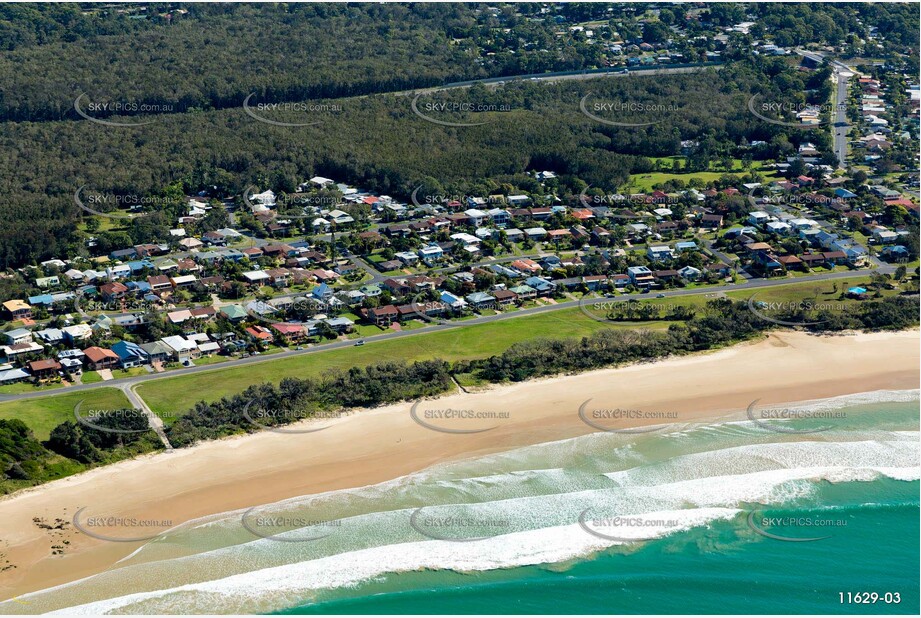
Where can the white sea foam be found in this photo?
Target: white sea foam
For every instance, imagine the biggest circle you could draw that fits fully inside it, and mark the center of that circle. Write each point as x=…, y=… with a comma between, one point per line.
x=901, y=452
x=262, y=589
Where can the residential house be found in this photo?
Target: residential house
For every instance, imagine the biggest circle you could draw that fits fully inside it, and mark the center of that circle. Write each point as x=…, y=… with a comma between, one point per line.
x=44, y=369
x=524, y=292
x=159, y=283
x=456, y=303
x=689, y=273
x=431, y=253
x=595, y=282
x=383, y=316
x=113, y=291
x=340, y=324
x=260, y=333
x=18, y=335
x=130, y=354
x=505, y=297
x=50, y=336
x=18, y=309
x=11, y=376
x=790, y=262
x=526, y=266
x=183, y=281
x=543, y=286
x=48, y=282
x=536, y=233
x=640, y=276
x=183, y=349
x=659, y=253
x=100, y=358
x=480, y=300
x=77, y=332
x=157, y=351
x=233, y=313
x=291, y=332
x=712, y=221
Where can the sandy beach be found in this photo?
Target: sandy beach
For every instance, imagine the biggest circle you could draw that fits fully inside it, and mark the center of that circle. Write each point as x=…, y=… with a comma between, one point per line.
x=39, y=538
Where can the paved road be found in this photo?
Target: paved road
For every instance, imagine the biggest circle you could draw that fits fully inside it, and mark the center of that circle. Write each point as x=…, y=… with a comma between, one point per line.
x=560, y=76
x=155, y=422
x=132, y=382
x=840, y=123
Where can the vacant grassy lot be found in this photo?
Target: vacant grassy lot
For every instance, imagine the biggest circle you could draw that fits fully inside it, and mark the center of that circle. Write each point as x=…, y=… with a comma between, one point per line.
x=45, y=413
x=643, y=183
x=173, y=396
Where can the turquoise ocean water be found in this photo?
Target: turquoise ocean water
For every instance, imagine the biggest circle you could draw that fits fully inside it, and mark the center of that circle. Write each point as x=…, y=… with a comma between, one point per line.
x=695, y=518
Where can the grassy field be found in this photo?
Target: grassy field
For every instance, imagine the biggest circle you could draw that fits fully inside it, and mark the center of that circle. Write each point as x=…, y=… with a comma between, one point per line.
x=643, y=183
x=45, y=413
x=29, y=387
x=90, y=377
x=170, y=397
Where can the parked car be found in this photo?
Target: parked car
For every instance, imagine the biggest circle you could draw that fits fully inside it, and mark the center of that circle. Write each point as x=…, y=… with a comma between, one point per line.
x=360, y=342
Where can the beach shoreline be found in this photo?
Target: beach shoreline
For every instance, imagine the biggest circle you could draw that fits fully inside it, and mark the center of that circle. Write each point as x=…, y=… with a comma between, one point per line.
x=384, y=443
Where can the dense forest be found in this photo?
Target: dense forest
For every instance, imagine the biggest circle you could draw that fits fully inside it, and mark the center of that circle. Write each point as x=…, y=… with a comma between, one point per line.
x=25, y=461
x=378, y=143
x=211, y=56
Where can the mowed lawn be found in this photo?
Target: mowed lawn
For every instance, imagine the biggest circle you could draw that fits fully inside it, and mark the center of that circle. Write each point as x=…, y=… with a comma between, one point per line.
x=643, y=183
x=45, y=413
x=171, y=397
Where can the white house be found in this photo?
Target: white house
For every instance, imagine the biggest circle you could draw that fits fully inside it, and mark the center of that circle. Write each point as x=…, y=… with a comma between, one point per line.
x=476, y=216
x=183, y=349
x=340, y=217
x=431, y=253
x=659, y=252
x=689, y=273
x=77, y=332
x=778, y=227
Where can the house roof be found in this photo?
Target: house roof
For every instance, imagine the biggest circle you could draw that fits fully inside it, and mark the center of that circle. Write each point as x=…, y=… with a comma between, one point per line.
x=385, y=310
x=15, y=305
x=179, y=344
x=234, y=311
x=97, y=354
x=288, y=328
x=156, y=348
x=44, y=365
x=259, y=332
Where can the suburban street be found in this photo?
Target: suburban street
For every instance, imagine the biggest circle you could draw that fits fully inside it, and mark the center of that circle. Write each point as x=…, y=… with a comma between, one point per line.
x=840, y=115
x=839, y=118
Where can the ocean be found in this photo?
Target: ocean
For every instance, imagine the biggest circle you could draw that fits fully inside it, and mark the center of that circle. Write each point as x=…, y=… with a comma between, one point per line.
x=811, y=514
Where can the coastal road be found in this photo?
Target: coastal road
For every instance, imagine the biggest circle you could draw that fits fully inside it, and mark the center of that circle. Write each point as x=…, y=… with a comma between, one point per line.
x=132, y=382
